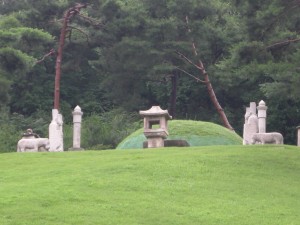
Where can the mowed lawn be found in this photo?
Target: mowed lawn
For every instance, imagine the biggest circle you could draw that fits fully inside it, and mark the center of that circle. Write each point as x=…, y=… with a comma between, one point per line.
x=196, y=185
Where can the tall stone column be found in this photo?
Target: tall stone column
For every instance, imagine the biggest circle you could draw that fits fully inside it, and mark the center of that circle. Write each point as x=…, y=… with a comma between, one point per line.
x=252, y=108
x=56, y=132
x=77, y=118
x=262, y=115
x=251, y=123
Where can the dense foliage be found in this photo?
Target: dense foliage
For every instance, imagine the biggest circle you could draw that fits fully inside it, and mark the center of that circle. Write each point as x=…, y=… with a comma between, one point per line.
x=122, y=55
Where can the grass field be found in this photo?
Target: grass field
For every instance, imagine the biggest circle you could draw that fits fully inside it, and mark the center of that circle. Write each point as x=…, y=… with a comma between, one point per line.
x=196, y=185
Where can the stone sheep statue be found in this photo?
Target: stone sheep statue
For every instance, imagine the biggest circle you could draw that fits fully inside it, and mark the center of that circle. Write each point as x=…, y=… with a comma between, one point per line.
x=267, y=138
x=32, y=144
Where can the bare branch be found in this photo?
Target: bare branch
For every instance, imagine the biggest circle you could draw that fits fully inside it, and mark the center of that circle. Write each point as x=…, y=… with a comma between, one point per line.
x=200, y=66
x=189, y=30
x=188, y=60
x=91, y=20
x=81, y=31
x=191, y=75
x=282, y=43
x=51, y=52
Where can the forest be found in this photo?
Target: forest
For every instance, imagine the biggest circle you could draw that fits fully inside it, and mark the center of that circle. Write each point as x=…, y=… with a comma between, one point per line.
x=122, y=56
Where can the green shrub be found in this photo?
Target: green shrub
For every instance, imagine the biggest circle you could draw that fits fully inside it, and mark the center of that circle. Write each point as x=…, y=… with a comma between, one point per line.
x=108, y=129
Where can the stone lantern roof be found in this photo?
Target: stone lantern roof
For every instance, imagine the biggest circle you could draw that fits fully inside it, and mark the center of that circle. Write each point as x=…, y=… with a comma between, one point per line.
x=155, y=111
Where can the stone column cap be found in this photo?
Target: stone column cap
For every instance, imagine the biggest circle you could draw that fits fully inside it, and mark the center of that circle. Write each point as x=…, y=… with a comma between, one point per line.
x=262, y=105
x=77, y=111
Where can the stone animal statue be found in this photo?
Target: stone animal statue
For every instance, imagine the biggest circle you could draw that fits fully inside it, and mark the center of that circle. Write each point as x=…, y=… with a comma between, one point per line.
x=267, y=138
x=32, y=144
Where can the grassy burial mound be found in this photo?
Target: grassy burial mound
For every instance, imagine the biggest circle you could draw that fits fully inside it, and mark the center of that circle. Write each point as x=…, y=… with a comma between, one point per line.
x=196, y=133
x=228, y=185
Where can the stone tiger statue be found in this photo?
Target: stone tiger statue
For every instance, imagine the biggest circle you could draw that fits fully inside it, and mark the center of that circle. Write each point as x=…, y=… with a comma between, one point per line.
x=32, y=144
x=267, y=138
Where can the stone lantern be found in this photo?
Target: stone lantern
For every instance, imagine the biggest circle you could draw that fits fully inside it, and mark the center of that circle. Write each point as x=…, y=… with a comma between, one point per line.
x=155, y=126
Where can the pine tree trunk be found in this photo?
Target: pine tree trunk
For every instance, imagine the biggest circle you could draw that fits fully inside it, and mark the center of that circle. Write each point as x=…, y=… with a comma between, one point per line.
x=67, y=16
x=173, y=94
x=215, y=102
x=208, y=84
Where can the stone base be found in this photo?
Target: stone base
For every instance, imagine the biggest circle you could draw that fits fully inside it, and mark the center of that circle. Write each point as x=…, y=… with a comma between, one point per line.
x=155, y=142
x=171, y=143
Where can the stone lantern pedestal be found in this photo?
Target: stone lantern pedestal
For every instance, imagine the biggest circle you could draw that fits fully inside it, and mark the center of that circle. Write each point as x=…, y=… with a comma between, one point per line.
x=155, y=126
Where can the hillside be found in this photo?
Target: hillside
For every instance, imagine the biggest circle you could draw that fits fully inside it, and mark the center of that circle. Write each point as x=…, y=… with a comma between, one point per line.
x=196, y=133
x=195, y=185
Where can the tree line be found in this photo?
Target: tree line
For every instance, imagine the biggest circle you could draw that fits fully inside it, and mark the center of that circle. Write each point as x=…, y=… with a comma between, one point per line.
x=124, y=56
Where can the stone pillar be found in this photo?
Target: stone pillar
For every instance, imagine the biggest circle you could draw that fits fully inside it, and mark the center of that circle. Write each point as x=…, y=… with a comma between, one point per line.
x=77, y=117
x=298, y=142
x=253, y=108
x=56, y=132
x=262, y=115
x=251, y=123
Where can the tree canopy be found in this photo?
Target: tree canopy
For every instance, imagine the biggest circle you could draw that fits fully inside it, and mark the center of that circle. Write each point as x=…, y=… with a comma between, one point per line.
x=123, y=54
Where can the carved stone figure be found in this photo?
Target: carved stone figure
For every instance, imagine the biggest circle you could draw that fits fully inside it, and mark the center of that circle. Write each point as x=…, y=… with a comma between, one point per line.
x=32, y=144
x=251, y=123
x=267, y=138
x=56, y=132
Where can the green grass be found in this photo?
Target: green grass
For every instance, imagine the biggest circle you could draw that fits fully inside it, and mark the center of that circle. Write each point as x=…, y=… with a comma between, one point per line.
x=196, y=133
x=197, y=185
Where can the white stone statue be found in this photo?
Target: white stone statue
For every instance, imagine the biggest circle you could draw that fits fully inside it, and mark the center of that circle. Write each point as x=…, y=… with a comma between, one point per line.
x=267, y=138
x=251, y=123
x=56, y=132
x=32, y=144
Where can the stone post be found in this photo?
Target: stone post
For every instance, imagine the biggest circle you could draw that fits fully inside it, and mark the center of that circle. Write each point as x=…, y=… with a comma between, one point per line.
x=262, y=115
x=56, y=132
x=298, y=142
x=77, y=117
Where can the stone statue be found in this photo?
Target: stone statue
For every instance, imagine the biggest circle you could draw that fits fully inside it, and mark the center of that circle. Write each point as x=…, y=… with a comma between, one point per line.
x=251, y=123
x=56, y=132
x=32, y=144
x=267, y=138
